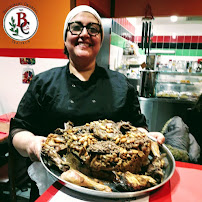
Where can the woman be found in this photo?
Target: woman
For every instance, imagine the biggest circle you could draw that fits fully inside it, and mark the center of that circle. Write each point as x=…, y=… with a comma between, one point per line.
x=80, y=92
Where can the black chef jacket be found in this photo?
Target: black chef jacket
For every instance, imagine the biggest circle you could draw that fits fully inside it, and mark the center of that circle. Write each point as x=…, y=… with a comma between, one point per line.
x=57, y=96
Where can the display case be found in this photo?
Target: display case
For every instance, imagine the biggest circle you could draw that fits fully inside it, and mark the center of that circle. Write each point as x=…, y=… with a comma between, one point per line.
x=178, y=85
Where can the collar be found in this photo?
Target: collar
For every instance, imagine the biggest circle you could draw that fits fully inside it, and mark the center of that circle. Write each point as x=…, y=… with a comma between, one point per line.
x=92, y=78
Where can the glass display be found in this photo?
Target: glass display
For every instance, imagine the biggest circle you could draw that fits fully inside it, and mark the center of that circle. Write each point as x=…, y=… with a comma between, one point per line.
x=178, y=85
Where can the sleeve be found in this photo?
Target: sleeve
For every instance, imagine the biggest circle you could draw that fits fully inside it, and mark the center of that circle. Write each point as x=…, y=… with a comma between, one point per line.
x=28, y=116
x=135, y=115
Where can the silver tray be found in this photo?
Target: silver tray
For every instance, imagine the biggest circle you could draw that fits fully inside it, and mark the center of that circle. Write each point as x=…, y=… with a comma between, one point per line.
x=168, y=172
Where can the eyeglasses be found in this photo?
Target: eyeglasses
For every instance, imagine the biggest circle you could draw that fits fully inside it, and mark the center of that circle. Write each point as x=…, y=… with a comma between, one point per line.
x=76, y=28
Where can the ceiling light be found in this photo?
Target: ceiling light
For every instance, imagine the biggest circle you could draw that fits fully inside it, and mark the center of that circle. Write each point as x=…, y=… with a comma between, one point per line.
x=173, y=18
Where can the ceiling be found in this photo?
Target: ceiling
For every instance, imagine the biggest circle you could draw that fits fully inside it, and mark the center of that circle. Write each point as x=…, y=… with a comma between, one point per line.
x=166, y=20
x=164, y=26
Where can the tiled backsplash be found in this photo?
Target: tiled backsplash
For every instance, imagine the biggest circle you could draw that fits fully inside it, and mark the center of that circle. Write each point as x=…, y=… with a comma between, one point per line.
x=182, y=45
x=123, y=30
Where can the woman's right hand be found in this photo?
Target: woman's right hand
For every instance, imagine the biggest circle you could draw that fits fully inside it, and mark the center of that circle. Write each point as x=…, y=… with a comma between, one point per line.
x=28, y=144
x=34, y=148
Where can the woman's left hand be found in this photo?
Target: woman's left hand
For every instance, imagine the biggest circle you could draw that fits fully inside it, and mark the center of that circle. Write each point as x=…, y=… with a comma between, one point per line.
x=158, y=136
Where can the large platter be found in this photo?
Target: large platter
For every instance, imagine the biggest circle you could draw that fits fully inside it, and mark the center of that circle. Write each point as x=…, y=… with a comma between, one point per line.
x=168, y=172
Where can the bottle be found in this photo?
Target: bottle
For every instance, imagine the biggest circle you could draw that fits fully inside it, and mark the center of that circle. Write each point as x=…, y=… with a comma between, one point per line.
x=194, y=66
x=131, y=50
x=198, y=69
x=190, y=67
x=180, y=66
x=199, y=66
x=174, y=66
x=170, y=65
x=187, y=66
x=158, y=60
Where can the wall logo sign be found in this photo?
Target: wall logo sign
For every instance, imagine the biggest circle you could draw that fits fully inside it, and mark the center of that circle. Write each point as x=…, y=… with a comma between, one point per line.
x=20, y=23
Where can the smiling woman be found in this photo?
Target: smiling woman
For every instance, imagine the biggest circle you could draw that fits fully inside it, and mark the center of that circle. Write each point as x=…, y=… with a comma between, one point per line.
x=83, y=35
x=80, y=92
x=82, y=46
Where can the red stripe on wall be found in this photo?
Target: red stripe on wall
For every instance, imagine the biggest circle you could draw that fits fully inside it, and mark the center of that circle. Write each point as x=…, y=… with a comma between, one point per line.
x=32, y=53
x=126, y=24
x=170, y=39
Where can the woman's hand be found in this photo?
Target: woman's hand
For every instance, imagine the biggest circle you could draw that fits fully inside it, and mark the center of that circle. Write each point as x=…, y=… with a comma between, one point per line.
x=157, y=135
x=28, y=145
x=34, y=148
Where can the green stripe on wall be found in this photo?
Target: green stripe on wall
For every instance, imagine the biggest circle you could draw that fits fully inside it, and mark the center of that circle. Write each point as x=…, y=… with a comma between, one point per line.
x=178, y=52
x=117, y=40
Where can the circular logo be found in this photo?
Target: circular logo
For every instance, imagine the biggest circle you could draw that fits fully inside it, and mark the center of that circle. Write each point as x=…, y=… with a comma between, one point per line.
x=20, y=23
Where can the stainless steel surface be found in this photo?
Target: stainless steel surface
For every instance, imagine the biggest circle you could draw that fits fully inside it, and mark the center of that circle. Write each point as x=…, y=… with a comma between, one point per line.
x=147, y=83
x=169, y=170
x=159, y=110
x=102, y=58
x=168, y=100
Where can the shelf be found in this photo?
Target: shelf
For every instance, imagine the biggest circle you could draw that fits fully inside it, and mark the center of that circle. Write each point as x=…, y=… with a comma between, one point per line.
x=135, y=56
x=181, y=73
x=175, y=83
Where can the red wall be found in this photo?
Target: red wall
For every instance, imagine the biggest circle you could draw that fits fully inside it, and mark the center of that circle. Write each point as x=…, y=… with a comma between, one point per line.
x=128, y=8
x=102, y=6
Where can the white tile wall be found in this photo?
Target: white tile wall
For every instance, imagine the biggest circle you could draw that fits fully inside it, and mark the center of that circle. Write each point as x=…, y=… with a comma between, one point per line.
x=11, y=87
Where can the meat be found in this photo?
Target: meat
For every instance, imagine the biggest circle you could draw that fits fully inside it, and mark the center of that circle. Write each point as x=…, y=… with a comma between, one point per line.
x=155, y=149
x=129, y=181
x=105, y=150
x=155, y=167
x=76, y=177
x=103, y=147
x=55, y=145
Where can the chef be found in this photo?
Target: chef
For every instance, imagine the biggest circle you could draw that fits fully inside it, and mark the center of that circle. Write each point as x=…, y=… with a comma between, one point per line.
x=79, y=92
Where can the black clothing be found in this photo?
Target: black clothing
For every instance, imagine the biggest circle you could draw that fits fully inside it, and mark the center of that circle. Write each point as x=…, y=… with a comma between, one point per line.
x=34, y=192
x=195, y=126
x=57, y=96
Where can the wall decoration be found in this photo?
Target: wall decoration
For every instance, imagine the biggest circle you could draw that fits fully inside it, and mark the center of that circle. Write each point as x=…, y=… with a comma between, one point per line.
x=27, y=72
x=20, y=23
x=27, y=61
x=27, y=75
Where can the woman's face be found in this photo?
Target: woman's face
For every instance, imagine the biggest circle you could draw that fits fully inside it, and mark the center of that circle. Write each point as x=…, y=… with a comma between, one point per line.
x=83, y=46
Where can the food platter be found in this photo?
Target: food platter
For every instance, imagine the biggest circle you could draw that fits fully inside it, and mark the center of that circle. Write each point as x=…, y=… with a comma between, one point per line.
x=168, y=172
